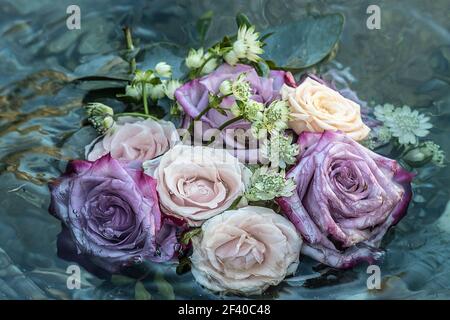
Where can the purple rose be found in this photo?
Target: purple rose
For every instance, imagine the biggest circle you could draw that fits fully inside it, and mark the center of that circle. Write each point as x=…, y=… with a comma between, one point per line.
x=193, y=98
x=347, y=198
x=111, y=214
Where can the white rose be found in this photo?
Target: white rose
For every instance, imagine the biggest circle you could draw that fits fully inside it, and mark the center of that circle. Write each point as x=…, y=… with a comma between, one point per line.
x=245, y=251
x=196, y=183
x=134, y=138
x=316, y=108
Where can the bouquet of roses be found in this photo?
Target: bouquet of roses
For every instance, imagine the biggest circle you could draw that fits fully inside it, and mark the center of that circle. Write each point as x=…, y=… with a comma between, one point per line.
x=262, y=168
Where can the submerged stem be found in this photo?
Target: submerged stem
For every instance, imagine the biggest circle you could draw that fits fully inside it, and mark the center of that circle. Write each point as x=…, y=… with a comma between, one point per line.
x=144, y=97
x=130, y=47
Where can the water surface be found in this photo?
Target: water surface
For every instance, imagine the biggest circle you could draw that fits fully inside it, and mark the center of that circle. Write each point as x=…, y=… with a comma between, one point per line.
x=407, y=61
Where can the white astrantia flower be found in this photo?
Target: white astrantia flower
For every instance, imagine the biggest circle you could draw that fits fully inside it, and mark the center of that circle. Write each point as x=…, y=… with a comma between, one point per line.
x=241, y=88
x=279, y=150
x=211, y=65
x=195, y=58
x=163, y=70
x=250, y=110
x=143, y=76
x=247, y=44
x=225, y=88
x=383, y=112
x=156, y=91
x=276, y=116
x=267, y=183
x=170, y=87
x=383, y=134
x=231, y=58
x=407, y=125
x=438, y=155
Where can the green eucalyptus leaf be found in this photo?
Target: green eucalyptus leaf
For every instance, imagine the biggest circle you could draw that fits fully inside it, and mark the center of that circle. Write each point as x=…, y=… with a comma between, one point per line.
x=304, y=43
x=242, y=19
x=203, y=24
x=140, y=293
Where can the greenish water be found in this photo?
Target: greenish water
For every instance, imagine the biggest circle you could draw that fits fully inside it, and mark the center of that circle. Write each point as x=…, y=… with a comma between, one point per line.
x=407, y=61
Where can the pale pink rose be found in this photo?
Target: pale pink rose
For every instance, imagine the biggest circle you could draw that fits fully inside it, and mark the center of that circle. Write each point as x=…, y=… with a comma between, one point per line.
x=134, y=138
x=316, y=107
x=196, y=183
x=245, y=251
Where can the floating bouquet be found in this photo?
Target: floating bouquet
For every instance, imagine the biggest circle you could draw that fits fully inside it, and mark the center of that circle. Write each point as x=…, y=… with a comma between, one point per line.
x=262, y=169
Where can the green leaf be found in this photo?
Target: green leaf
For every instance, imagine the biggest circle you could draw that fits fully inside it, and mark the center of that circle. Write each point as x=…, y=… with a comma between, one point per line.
x=266, y=36
x=262, y=68
x=140, y=293
x=242, y=19
x=165, y=289
x=120, y=280
x=188, y=235
x=203, y=24
x=304, y=43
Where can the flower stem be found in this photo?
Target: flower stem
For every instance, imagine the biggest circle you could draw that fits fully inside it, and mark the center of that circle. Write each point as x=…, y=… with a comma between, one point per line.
x=144, y=97
x=231, y=121
x=199, y=116
x=130, y=47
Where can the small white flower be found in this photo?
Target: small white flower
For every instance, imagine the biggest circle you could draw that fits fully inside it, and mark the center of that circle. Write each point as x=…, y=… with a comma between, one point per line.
x=276, y=116
x=170, y=87
x=250, y=110
x=241, y=88
x=240, y=48
x=438, y=157
x=211, y=65
x=383, y=112
x=279, y=150
x=231, y=58
x=143, y=76
x=408, y=125
x=267, y=184
x=225, y=87
x=195, y=58
x=156, y=91
x=248, y=38
x=163, y=70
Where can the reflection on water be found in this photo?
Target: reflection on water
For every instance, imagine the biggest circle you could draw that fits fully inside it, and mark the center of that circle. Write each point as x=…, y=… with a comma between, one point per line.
x=406, y=62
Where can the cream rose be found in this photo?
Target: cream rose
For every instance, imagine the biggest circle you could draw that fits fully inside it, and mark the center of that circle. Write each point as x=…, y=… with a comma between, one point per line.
x=133, y=138
x=316, y=108
x=245, y=251
x=196, y=183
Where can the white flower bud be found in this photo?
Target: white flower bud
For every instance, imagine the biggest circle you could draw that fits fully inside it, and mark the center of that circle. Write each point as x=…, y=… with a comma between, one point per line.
x=195, y=58
x=210, y=66
x=157, y=91
x=231, y=58
x=240, y=48
x=170, y=87
x=163, y=69
x=225, y=87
